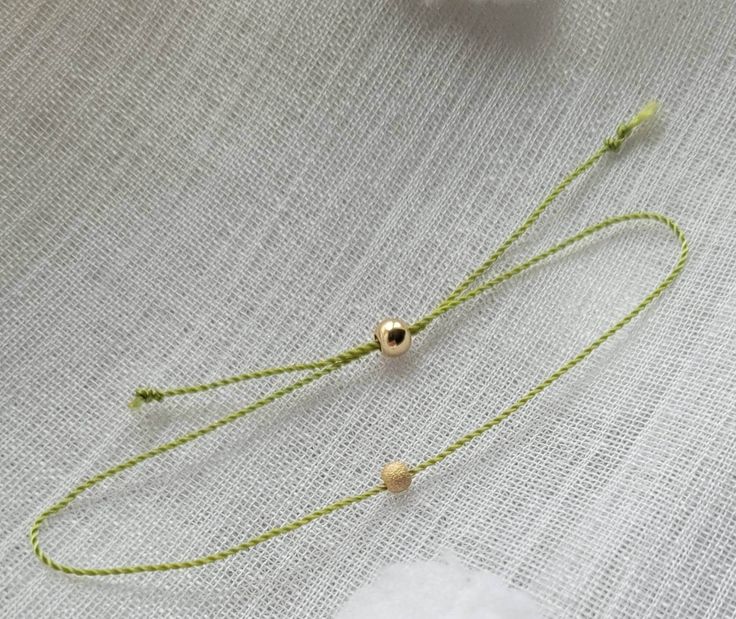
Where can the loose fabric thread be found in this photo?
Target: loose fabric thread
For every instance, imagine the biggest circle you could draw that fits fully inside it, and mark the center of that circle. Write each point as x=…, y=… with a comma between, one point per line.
x=317, y=369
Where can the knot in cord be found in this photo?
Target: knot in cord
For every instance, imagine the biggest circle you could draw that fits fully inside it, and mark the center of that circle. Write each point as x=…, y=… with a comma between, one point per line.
x=624, y=129
x=614, y=142
x=143, y=395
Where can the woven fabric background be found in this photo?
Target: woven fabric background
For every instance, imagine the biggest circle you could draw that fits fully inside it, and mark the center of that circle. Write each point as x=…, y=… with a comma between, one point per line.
x=193, y=189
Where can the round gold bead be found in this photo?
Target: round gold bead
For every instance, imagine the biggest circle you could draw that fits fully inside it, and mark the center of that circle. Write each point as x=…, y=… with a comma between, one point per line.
x=396, y=476
x=393, y=336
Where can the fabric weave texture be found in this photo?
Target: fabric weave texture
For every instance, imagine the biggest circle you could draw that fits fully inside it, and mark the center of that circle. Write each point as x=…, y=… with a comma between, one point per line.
x=190, y=190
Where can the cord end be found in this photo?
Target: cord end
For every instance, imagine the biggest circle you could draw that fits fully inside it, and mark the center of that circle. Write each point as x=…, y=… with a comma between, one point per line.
x=649, y=110
x=144, y=395
x=624, y=129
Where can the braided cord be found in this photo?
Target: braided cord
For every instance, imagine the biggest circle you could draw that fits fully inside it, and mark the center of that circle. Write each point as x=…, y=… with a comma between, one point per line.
x=462, y=293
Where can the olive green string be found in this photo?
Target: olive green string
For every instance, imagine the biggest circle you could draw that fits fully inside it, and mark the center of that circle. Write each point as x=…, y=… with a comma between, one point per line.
x=317, y=369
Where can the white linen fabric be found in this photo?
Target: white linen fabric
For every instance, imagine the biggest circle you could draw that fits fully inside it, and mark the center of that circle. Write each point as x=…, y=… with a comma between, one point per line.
x=192, y=189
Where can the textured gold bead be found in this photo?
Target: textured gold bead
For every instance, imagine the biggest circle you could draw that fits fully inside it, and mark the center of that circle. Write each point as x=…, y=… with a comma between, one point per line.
x=396, y=476
x=393, y=336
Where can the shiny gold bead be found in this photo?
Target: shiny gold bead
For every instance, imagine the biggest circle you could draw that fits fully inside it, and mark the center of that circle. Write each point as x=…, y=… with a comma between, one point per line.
x=396, y=476
x=393, y=336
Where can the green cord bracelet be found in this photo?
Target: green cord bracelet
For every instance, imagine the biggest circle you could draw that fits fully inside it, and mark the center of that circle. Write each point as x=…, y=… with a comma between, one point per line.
x=397, y=476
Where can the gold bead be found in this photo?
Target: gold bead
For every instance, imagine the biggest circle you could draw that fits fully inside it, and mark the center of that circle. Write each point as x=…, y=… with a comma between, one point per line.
x=393, y=336
x=396, y=476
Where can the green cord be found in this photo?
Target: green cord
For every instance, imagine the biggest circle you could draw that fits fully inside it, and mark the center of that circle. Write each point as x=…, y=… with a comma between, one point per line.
x=322, y=367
